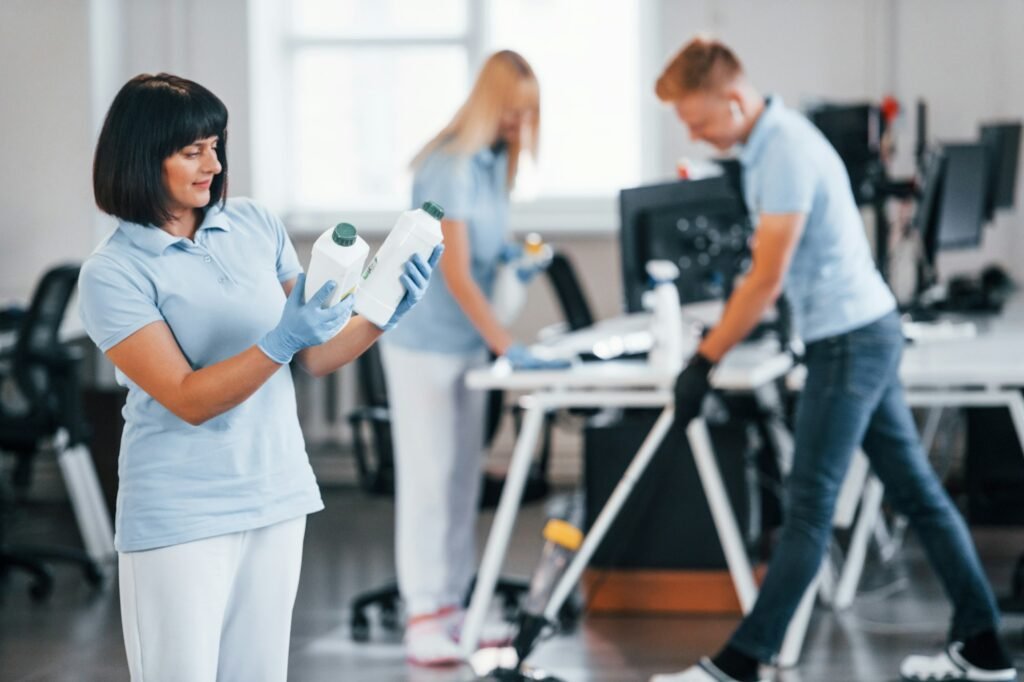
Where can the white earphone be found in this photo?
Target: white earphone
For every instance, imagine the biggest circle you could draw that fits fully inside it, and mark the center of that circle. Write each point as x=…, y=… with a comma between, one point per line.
x=737, y=113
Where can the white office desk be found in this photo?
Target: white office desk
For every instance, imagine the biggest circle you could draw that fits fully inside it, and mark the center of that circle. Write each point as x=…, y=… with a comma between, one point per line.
x=621, y=384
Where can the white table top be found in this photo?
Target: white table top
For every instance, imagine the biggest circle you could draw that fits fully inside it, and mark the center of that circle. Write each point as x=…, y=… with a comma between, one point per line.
x=995, y=357
x=745, y=368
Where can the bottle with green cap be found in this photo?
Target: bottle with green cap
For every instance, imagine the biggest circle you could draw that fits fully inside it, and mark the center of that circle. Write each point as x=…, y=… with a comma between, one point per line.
x=338, y=254
x=416, y=231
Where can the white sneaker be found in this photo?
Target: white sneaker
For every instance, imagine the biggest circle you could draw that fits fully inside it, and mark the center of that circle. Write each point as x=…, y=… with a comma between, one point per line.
x=704, y=671
x=429, y=642
x=491, y=634
x=950, y=666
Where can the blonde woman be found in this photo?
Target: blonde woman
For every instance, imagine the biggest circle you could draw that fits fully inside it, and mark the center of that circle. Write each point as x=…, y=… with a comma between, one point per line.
x=437, y=424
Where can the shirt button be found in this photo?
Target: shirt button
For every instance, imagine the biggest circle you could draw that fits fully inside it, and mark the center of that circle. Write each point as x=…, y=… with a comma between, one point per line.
x=207, y=259
x=222, y=279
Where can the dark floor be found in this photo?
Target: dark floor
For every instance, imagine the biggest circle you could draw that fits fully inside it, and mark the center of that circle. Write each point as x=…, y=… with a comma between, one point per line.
x=76, y=634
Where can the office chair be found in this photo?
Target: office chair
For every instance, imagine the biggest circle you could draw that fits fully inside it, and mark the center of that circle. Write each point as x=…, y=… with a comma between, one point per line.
x=569, y=292
x=39, y=402
x=376, y=473
x=375, y=465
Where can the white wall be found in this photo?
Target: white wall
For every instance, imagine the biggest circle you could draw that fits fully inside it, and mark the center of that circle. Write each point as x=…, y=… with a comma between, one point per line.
x=58, y=74
x=966, y=59
x=61, y=62
x=45, y=149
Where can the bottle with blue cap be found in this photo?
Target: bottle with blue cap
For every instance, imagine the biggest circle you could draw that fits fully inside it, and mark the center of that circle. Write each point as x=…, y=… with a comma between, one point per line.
x=338, y=254
x=416, y=231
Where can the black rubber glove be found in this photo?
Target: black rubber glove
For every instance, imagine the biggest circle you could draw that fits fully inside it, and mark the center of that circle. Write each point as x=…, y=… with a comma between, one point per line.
x=692, y=386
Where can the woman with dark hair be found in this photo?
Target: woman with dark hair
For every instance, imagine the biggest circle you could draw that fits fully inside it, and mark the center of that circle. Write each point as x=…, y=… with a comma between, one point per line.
x=197, y=300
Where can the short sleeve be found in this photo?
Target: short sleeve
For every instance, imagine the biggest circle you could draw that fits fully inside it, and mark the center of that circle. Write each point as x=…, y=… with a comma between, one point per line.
x=788, y=180
x=447, y=181
x=287, y=264
x=114, y=303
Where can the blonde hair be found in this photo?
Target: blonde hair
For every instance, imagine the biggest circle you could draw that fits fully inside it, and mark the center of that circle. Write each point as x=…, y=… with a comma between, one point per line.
x=703, y=65
x=476, y=123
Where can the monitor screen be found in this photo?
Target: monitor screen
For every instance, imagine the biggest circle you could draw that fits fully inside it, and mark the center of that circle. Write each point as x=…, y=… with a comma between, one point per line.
x=926, y=215
x=1002, y=140
x=701, y=225
x=961, y=208
x=855, y=131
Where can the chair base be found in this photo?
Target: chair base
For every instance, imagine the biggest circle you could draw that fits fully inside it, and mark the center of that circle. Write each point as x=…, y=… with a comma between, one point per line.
x=388, y=599
x=33, y=560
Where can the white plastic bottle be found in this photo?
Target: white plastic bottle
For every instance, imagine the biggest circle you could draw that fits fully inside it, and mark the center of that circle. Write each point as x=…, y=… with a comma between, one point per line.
x=417, y=231
x=509, y=289
x=338, y=254
x=667, y=320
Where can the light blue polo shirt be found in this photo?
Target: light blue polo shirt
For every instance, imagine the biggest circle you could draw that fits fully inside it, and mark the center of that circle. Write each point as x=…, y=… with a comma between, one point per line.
x=471, y=189
x=246, y=468
x=832, y=283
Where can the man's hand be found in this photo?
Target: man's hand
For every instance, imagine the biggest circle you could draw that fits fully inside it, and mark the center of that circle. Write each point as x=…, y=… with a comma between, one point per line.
x=692, y=386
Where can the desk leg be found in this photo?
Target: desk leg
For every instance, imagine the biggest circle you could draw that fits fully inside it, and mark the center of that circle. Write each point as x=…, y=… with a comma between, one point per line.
x=793, y=644
x=608, y=513
x=853, y=567
x=87, y=501
x=501, y=529
x=722, y=513
x=1015, y=403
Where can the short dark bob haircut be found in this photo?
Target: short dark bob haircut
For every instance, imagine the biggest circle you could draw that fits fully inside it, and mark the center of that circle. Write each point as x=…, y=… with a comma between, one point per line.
x=150, y=119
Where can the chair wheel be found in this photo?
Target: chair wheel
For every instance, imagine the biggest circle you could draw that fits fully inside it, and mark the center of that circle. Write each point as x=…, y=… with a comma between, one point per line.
x=389, y=617
x=568, y=616
x=41, y=589
x=93, y=575
x=359, y=628
x=510, y=608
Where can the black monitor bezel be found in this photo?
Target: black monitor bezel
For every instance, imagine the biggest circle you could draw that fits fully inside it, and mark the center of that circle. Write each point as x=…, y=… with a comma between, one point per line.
x=715, y=194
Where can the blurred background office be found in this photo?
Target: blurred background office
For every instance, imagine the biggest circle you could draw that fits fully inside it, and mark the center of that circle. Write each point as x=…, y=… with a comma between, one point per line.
x=329, y=101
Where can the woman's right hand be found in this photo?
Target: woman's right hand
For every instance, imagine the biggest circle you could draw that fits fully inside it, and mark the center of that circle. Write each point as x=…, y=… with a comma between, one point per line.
x=305, y=324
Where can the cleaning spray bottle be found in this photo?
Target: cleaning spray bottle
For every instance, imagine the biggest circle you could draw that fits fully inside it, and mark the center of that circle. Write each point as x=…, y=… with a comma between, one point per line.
x=509, y=288
x=667, y=320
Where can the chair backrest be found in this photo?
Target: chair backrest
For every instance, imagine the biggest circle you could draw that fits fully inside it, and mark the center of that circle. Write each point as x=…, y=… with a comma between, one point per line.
x=569, y=292
x=370, y=370
x=39, y=333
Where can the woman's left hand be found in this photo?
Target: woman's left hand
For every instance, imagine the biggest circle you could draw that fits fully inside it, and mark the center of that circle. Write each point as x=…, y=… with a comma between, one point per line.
x=416, y=279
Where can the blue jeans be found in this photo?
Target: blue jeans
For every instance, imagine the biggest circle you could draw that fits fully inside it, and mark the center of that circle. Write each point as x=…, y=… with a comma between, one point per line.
x=853, y=397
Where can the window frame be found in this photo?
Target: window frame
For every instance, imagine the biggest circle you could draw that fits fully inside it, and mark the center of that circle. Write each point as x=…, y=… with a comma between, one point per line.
x=272, y=51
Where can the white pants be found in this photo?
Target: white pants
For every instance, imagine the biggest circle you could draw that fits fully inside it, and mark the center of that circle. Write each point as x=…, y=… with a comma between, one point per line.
x=218, y=609
x=437, y=429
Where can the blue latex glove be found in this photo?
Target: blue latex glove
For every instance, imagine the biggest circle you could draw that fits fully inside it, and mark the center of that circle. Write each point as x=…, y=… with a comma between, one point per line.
x=510, y=251
x=305, y=324
x=526, y=273
x=520, y=357
x=513, y=251
x=415, y=280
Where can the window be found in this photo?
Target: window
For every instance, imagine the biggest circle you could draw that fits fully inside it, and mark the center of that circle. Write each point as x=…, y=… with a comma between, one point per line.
x=347, y=92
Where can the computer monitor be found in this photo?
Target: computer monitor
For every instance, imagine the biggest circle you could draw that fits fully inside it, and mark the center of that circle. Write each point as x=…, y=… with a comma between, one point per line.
x=701, y=225
x=855, y=130
x=1002, y=140
x=952, y=208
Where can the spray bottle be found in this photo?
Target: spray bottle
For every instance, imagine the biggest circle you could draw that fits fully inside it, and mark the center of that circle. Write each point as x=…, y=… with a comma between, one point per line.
x=667, y=320
x=509, y=285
